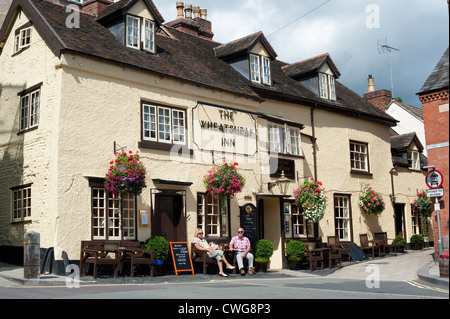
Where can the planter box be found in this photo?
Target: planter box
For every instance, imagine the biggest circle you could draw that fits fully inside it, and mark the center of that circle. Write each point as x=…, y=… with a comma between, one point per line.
x=443, y=267
x=416, y=246
x=261, y=266
x=294, y=264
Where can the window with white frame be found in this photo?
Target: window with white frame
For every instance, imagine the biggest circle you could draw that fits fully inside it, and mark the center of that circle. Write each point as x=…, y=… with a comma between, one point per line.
x=295, y=225
x=342, y=216
x=414, y=160
x=327, y=86
x=359, y=156
x=21, y=203
x=140, y=30
x=211, y=218
x=163, y=124
x=284, y=139
x=260, y=69
x=29, y=108
x=22, y=39
x=113, y=218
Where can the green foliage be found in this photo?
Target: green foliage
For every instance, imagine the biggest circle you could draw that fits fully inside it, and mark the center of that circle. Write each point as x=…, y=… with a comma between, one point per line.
x=295, y=249
x=416, y=239
x=159, y=245
x=263, y=249
x=399, y=241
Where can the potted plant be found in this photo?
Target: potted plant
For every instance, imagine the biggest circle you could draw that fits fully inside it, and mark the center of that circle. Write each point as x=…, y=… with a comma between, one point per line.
x=295, y=250
x=422, y=208
x=126, y=174
x=224, y=181
x=263, y=249
x=371, y=202
x=161, y=248
x=311, y=197
x=443, y=264
x=416, y=242
x=400, y=242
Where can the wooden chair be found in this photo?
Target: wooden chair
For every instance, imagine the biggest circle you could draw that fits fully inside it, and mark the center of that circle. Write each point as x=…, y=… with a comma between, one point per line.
x=94, y=252
x=335, y=250
x=383, y=239
x=201, y=257
x=314, y=255
x=135, y=255
x=335, y=241
x=366, y=244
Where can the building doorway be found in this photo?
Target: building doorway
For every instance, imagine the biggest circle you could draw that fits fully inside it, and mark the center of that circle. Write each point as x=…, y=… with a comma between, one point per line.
x=400, y=229
x=169, y=218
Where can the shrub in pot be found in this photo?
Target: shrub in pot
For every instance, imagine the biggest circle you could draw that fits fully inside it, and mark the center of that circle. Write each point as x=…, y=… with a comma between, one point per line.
x=263, y=249
x=295, y=250
x=161, y=248
x=400, y=242
x=416, y=242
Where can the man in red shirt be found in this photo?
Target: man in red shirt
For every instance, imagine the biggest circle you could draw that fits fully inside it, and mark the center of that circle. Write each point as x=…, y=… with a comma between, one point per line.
x=242, y=246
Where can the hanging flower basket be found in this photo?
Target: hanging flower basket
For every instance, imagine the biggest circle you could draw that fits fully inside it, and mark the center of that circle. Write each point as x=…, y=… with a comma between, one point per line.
x=224, y=181
x=126, y=174
x=422, y=205
x=371, y=202
x=311, y=196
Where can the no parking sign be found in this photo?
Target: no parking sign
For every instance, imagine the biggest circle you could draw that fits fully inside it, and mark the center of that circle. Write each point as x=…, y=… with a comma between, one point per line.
x=434, y=179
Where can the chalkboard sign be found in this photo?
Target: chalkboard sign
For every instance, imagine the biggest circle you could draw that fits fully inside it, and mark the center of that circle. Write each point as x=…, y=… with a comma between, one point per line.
x=181, y=257
x=248, y=222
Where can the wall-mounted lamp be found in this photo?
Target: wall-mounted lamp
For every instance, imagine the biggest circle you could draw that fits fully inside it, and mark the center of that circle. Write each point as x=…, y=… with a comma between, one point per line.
x=282, y=183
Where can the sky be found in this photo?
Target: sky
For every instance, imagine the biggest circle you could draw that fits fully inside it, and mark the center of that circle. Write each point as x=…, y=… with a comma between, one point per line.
x=349, y=30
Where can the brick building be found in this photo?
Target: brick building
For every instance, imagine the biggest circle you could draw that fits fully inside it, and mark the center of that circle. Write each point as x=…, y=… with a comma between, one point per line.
x=434, y=98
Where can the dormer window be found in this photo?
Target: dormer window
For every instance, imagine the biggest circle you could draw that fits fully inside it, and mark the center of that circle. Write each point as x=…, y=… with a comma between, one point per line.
x=327, y=86
x=22, y=39
x=260, y=69
x=140, y=33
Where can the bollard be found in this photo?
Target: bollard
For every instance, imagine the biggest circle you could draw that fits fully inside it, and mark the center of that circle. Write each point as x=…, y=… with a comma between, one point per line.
x=31, y=255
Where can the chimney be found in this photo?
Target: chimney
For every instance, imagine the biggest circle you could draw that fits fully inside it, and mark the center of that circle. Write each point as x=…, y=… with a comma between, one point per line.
x=197, y=26
x=94, y=7
x=180, y=8
x=379, y=98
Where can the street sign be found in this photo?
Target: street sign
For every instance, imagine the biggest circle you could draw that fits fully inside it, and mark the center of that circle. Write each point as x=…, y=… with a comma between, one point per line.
x=434, y=179
x=435, y=192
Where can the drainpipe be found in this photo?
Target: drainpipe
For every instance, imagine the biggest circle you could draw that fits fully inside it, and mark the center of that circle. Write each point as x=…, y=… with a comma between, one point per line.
x=314, y=140
x=392, y=184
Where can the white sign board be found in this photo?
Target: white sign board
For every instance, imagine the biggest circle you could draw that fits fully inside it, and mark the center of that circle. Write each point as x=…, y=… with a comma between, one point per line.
x=224, y=130
x=435, y=192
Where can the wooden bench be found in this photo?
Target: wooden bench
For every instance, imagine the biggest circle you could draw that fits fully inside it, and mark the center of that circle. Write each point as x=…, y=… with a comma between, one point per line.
x=94, y=252
x=135, y=255
x=201, y=257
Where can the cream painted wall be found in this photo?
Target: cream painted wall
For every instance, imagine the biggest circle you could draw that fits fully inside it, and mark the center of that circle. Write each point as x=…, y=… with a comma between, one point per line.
x=28, y=157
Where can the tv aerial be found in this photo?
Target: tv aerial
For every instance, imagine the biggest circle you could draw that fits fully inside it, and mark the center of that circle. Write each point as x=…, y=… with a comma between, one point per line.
x=384, y=48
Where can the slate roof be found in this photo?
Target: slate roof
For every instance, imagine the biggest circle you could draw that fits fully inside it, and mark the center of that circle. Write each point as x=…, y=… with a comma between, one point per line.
x=183, y=57
x=438, y=79
x=244, y=44
x=400, y=145
x=310, y=65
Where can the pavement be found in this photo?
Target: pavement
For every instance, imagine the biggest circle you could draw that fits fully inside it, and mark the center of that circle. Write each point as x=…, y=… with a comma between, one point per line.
x=412, y=265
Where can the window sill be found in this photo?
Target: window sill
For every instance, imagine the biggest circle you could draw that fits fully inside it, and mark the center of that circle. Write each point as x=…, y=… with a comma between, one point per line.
x=164, y=146
x=360, y=173
x=28, y=130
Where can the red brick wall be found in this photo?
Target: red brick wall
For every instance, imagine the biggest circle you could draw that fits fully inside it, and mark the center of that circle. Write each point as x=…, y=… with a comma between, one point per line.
x=437, y=131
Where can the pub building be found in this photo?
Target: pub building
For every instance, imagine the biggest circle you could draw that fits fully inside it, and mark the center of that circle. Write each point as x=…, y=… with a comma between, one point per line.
x=76, y=86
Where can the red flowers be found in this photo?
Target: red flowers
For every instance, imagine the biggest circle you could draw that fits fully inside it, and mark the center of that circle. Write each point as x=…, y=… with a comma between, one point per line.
x=126, y=174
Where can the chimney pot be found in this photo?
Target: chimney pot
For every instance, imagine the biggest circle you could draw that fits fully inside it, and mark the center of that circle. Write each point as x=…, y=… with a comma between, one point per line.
x=371, y=82
x=204, y=14
x=196, y=11
x=188, y=11
x=180, y=7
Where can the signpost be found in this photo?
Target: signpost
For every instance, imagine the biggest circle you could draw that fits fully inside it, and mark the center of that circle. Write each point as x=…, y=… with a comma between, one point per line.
x=434, y=181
